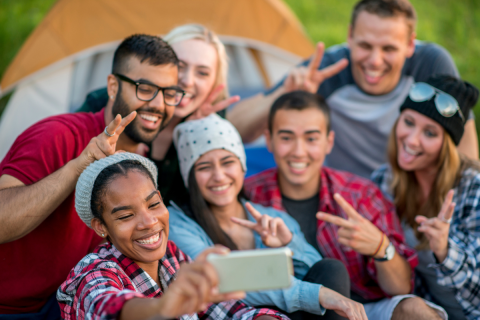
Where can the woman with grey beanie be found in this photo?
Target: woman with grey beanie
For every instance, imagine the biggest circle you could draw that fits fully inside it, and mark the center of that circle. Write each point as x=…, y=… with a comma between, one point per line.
x=127, y=277
x=213, y=165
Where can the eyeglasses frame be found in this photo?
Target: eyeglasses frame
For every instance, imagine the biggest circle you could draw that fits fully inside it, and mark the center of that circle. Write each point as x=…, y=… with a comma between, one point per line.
x=137, y=83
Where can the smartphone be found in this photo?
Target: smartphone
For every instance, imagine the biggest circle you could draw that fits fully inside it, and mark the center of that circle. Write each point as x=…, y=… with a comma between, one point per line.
x=253, y=270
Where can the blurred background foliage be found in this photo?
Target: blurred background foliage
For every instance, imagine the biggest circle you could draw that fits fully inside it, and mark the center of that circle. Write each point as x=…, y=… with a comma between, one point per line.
x=454, y=24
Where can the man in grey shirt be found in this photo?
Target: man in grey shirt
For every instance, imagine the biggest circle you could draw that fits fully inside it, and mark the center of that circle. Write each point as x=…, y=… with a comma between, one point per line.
x=385, y=59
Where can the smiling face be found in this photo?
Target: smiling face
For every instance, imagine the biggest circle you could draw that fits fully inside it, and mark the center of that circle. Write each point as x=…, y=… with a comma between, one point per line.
x=299, y=142
x=136, y=220
x=197, y=73
x=153, y=115
x=419, y=141
x=219, y=175
x=378, y=49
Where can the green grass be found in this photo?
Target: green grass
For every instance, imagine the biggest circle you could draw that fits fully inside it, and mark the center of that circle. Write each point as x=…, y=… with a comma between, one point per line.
x=454, y=24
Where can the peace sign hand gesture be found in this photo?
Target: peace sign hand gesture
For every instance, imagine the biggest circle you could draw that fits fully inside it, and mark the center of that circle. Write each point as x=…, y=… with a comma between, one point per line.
x=356, y=232
x=436, y=229
x=310, y=78
x=273, y=231
x=207, y=108
x=103, y=145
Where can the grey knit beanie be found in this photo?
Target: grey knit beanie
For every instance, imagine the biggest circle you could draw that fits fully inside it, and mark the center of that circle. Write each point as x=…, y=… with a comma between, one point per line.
x=84, y=188
x=195, y=138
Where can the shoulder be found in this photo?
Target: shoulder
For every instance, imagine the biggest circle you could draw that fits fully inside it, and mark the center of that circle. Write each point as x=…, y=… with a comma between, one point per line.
x=174, y=253
x=260, y=180
x=429, y=58
x=343, y=78
x=382, y=178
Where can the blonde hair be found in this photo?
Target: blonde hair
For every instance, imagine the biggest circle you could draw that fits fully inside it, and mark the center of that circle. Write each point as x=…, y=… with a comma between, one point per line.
x=408, y=196
x=196, y=31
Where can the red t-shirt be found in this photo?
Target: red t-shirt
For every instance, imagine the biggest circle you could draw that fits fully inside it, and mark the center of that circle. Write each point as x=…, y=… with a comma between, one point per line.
x=33, y=267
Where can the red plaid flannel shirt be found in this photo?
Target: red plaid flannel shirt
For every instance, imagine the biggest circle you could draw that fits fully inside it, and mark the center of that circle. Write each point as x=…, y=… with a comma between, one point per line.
x=365, y=197
x=103, y=281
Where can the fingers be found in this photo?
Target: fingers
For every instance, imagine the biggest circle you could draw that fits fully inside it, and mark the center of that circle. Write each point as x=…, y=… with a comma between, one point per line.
x=330, y=71
x=217, y=249
x=236, y=295
x=446, y=205
x=449, y=213
x=244, y=223
x=316, y=60
x=225, y=103
x=273, y=226
x=255, y=214
x=214, y=94
x=338, y=221
x=349, y=210
x=125, y=122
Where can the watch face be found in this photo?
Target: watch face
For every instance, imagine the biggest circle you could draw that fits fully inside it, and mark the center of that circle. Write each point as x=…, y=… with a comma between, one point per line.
x=390, y=251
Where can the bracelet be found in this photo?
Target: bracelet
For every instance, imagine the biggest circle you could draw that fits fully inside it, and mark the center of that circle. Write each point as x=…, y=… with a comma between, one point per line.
x=379, y=246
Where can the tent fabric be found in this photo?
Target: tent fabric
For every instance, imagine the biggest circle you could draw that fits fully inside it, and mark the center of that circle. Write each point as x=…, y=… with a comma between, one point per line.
x=75, y=25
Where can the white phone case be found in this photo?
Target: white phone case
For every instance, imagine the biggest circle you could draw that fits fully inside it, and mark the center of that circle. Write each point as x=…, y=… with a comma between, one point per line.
x=253, y=270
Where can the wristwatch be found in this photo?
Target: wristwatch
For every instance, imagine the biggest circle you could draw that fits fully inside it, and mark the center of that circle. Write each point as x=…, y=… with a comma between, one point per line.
x=389, y=253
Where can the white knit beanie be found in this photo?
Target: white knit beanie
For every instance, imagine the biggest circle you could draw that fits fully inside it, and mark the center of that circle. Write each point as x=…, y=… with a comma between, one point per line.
x=84, y=188
x=195, y=138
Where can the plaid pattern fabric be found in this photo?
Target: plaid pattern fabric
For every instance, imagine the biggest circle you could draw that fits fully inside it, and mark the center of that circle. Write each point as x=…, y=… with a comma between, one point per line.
x=101, y=283
x=461, y=268
x=366, y=198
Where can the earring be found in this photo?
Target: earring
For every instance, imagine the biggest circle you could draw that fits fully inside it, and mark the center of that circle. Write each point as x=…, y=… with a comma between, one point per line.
x=103, y=234
x=111, y=97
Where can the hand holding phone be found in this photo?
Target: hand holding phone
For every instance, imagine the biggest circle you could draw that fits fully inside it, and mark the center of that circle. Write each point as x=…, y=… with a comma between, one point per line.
x=273, y=231
x=253, y=270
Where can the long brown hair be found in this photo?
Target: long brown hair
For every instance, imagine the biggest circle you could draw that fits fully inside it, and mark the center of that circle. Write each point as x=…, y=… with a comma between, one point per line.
x=408, y=197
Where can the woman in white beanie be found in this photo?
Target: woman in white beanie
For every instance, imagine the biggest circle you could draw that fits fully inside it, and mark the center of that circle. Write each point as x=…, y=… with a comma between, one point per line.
x=213, y=165
x=127, y=277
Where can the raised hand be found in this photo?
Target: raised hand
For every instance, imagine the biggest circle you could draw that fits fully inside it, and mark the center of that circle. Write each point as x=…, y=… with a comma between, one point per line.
x=436, y=229
x=207, y=108
x=104, y=145
x=356, y=232
x=310, y=78
x=273, y=231
x=194, y=288
x=342, y=305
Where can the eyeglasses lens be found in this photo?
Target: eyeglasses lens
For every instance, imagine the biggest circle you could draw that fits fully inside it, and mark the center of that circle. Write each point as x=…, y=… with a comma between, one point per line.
x=146, y=92
x=172, y=97
x=446, y=105
x=421, y=92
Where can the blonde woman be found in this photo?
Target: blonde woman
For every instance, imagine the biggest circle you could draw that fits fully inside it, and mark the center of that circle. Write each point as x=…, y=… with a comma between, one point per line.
x=202, y=74
x=436, y=192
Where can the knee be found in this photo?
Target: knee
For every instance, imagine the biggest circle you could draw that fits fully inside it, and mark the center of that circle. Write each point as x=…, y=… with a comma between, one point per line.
x=411, y=307
x=332, y=274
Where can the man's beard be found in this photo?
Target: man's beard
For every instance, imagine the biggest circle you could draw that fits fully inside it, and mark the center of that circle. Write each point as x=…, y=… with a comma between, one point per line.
x=134, y=130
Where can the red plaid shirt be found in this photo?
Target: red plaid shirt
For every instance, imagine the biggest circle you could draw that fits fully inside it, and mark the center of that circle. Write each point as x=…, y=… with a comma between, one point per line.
x=101, y=283
x=365, y=197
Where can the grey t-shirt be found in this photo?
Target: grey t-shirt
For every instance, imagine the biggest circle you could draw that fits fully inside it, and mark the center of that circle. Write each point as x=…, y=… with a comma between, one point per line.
x=362, y=122
x=304, y=212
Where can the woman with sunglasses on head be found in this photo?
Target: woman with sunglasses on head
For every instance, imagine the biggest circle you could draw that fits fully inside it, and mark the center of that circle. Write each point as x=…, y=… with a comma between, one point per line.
x=212, y=162
x=202, y=74
x=138, y=273
x=436, y=192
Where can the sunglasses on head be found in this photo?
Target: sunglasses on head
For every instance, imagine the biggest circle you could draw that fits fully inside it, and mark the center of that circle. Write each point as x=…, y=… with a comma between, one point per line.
x=446, y=105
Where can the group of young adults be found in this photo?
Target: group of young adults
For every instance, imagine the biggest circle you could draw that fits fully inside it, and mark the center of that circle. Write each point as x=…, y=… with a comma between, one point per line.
x=103, y=210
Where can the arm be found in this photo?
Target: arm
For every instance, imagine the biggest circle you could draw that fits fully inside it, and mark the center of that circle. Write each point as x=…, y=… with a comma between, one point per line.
x=250, y=115
x=365, y=236
x=469, y=143
x=32, y=204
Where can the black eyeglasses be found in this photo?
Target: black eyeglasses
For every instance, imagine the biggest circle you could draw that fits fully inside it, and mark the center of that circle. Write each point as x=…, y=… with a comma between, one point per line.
x=172, y=96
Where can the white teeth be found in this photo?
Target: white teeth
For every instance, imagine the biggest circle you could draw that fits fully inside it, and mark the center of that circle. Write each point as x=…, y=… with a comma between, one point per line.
x=220, y=188
x=298, y=165
x=410, y=151
x=372, y=73
x=149, y=117
x=150, y=240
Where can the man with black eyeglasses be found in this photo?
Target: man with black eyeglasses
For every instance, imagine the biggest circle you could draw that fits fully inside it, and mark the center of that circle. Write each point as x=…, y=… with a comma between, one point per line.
x=41, y=236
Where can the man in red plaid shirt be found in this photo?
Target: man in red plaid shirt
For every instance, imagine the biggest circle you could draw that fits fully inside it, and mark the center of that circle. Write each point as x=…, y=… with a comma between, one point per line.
x=354, y=223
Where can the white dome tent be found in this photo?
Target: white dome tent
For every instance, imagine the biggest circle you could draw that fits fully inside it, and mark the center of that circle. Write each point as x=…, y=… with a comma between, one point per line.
x=69, y=54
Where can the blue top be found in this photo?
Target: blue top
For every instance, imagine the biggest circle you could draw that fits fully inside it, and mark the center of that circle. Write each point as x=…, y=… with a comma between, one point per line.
x=192, y=239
